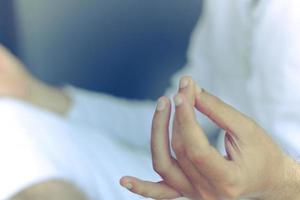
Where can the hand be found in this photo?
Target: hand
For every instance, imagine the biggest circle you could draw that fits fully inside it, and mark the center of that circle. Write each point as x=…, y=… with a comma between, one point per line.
x=254, y=166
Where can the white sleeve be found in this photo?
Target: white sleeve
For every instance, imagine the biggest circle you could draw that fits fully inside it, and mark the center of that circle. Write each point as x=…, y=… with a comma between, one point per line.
x=123, y=119
x=22, y=164
x=275, y=81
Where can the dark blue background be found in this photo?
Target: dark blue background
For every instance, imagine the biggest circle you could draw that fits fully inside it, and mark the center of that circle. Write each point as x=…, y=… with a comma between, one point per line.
x=127, y=48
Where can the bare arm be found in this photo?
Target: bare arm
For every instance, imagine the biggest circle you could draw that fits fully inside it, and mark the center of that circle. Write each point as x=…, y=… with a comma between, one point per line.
x=289, y=186
x=17, y=82
x=47, y=97
x=51, y=190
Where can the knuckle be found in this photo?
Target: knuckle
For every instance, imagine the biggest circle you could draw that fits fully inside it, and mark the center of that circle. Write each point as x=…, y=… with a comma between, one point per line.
x=198, y=155
x=195, y=156
x=231, y=189
x=231, y=193
x=161, y=168
x=178, y=147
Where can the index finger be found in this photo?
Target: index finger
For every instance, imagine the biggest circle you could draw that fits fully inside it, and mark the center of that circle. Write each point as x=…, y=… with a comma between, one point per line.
x=163, y=163
x=196, y=145
x=224, y=115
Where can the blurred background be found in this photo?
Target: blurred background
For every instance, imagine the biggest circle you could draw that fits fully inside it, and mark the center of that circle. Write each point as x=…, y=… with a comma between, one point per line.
x=127, y=48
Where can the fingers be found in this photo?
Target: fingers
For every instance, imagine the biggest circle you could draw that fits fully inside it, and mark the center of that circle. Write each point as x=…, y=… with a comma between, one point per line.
x=198, y=150
x=163, y=163
x=149, y=189
x=198, y=181
x=187, y=87
x=160, y=133
x=185, y=119
x=225, y=116
x=185, y=122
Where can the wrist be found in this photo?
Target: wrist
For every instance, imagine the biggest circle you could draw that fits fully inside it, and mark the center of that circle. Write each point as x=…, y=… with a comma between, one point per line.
x=287, y=185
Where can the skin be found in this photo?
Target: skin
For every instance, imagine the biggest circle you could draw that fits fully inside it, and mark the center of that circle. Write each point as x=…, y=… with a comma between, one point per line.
x=17, y=82
x=51, y=190
x=254, y=167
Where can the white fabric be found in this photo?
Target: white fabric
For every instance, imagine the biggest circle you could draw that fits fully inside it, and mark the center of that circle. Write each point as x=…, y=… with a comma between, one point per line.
x=37, y=146
x=123, y=119
x=244, y=51
x=22, y=164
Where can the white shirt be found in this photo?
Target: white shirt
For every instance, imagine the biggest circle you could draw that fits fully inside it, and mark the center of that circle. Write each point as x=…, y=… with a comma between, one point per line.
x=244, y=51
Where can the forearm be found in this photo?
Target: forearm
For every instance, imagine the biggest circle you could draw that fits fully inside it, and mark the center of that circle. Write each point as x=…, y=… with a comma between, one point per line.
x=51, y=190
x=48, y=97
x=289, y=186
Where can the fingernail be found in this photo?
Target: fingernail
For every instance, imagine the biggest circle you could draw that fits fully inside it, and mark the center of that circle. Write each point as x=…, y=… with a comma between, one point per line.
x=128, y=186
x=184, y=83
x=178, y=100
x=161, y=104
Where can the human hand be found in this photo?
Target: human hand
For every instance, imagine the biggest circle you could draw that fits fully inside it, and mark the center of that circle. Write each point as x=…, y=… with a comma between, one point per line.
x=254, y=166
